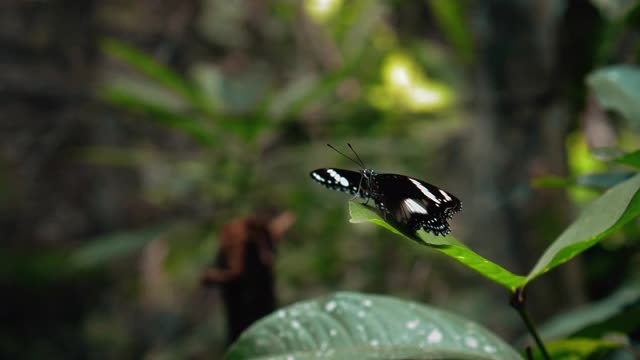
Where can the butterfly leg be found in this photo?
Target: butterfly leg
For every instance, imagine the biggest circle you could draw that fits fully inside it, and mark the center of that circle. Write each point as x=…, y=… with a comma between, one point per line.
x=380, y=206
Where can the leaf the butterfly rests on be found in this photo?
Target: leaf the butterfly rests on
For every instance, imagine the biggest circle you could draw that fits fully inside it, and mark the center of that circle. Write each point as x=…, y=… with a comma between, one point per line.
x=411, y=203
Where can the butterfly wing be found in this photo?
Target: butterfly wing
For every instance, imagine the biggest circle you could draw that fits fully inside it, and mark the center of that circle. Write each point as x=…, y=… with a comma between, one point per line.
x=415, y=203
x=341, y=180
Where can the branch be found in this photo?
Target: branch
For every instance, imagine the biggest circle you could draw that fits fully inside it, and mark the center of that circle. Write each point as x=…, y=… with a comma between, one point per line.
x=517, y=301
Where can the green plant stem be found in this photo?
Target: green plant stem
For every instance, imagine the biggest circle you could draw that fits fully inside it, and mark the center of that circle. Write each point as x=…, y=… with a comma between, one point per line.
x=529, y=353
x=517, y=301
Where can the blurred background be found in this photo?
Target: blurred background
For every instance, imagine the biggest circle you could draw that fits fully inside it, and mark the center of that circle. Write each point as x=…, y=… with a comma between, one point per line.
x=131, y=131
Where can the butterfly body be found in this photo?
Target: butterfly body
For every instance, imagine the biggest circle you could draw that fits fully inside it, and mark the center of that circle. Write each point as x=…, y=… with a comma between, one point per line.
x=410, y=202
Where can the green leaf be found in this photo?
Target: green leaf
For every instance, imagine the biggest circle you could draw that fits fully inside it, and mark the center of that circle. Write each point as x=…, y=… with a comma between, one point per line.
x=108, y=247
x=284, y=99
x=593, y=181
x=631, y=159
x=154, y=70
x=357, y=326
x=620, y=312
x=321, y=87
x=447, y=245
x=606, y=153
x=355, y=25
x=452, y=21
x=603, y=180
x=618, y=88
x=160, y=114
x=209, y=81
x=609, y=212
x=552, y=182
x=577, y=349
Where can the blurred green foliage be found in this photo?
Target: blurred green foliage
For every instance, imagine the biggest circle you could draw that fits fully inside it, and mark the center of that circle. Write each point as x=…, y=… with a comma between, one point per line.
x=236, y=122
x=365, y=81
x=233, y=116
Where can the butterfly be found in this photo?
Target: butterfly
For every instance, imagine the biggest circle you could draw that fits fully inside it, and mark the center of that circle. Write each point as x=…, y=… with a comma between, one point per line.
x=411, y=203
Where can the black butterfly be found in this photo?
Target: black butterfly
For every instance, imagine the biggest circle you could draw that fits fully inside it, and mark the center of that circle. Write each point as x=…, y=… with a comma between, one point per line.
x=411, y=203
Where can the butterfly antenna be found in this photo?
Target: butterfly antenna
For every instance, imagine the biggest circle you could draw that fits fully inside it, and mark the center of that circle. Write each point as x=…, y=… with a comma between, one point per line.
x=339, y=152
x=361, y=162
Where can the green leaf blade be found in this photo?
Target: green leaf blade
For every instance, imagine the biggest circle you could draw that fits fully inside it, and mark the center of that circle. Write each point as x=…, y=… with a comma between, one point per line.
x=452, y=19
x=610, y=211
x=161, y=115
x=487, y=268
x=359, y=326
x=102, y=249
x=154, y=70
x=618, y=88
x=619, y=312
x=552, y=182
x=631, y=159
x=446, y=245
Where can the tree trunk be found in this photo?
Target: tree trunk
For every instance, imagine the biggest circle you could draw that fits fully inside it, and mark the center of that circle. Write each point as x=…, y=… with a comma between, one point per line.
x=518, y=132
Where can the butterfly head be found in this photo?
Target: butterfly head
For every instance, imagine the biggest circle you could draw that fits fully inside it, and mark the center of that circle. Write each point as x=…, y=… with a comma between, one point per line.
x=367, y=180
x=368, y=174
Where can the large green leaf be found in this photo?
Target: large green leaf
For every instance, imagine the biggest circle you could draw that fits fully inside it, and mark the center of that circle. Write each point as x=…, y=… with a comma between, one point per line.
x=357, y=326
x=618, y=88
x=447, y=245
x=606, y=214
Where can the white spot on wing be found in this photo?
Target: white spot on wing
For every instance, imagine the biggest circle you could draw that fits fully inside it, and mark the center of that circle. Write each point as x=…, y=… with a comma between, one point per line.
x=318, y=177
x=414, y=207
x=425, y=191
x=446, y=196
x=337, y=178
